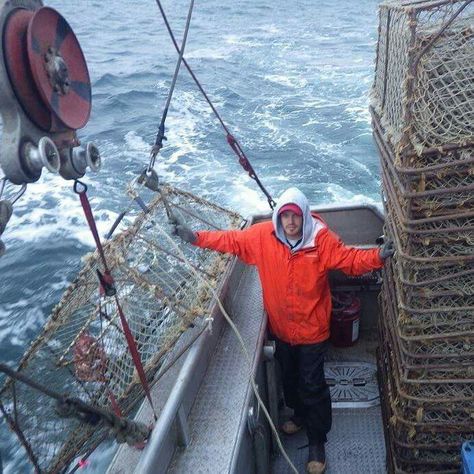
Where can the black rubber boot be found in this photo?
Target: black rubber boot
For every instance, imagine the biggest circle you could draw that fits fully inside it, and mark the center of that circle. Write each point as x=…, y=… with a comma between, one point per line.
x=316, y=459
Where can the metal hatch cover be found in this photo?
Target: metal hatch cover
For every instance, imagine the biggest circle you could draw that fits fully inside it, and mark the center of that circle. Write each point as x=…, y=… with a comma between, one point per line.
x=352, y=384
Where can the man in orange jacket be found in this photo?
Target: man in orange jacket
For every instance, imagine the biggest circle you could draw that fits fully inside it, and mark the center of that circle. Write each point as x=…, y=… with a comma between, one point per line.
x=293, y=255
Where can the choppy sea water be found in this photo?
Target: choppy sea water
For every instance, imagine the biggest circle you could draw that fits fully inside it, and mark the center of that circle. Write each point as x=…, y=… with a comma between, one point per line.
x=291, y=80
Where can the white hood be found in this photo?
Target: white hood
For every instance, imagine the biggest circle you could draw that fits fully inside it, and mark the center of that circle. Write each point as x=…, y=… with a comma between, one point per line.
x=311, y=225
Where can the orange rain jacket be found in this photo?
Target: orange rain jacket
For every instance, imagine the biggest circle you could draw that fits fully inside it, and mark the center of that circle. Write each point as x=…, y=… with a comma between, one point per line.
x=295, y=284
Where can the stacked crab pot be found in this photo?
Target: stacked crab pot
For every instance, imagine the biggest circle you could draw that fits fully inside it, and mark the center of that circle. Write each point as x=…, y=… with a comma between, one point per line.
x=423, y=122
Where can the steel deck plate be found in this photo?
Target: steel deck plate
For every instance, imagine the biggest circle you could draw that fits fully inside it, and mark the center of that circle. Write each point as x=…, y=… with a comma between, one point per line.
x=355, y=445
x=218, y=410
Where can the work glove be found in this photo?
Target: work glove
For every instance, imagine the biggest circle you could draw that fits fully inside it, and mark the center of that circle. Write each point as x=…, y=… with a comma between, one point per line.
x=180, y=228
x=387, y=249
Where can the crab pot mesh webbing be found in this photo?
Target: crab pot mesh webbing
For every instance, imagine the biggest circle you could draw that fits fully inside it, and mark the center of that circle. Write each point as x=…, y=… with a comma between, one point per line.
x=423, y=122
x=443, y=157
x=443, y=192
x=82, y=350
x=423, y=88
x=413, y=444
x=432, y=346
x=438, y=190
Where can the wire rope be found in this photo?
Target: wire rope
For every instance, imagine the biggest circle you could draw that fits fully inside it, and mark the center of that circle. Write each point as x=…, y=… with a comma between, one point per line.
x=161, y=129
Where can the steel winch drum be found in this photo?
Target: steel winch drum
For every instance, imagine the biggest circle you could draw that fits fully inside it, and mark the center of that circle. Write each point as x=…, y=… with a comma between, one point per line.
x=59, y=68
x=19, y=71
x=47, y=69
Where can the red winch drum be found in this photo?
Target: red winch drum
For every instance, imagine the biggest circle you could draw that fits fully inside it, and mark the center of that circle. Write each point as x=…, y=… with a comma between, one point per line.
x=59, y=68
x=47, y=69
x=345, y=319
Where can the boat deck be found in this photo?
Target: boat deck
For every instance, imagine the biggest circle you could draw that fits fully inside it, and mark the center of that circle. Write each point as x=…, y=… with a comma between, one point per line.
x=355, y=445
x=219, y=414
x=208, y=413
x=356, y=440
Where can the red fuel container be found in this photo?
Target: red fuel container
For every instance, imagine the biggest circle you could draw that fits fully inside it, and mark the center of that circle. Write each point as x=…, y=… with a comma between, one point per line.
x=345, y=319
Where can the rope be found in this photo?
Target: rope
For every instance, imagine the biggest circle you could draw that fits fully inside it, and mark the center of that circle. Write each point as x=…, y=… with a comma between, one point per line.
x=125, y=431
x=243, y=160
x=161, y=129
x=108, y=287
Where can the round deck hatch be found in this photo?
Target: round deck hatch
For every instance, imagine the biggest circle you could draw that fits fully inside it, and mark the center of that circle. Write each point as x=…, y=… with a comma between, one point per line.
x=352, y=384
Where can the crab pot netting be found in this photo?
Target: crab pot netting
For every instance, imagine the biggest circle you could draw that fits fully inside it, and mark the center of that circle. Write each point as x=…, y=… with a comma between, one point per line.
x=432, y=191
x=425, y=435
x=420, y=313
x=407, y=436
x=460, y=282
x=447, y=191
x=455, y=279
x=418, y=388
x=425, y=361
x=414, y=446
x=433, y=356
x=423, y=88
x=82, y=350
x=443, y=157
x=434, y=243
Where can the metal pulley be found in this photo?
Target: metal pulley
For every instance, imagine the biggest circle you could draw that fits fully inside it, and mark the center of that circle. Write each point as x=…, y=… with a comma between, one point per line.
x=74, y=161
x=45, y=94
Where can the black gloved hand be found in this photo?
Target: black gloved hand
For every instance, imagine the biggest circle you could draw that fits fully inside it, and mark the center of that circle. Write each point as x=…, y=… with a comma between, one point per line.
x=181, y=229
x=387, y=249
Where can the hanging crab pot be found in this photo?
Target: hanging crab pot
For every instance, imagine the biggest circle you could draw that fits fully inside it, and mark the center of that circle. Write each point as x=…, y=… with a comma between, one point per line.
x=164, y=286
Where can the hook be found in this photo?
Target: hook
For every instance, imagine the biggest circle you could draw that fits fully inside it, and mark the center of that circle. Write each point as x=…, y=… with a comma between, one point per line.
x=149, y=178
x=77, y=185
x=19, y=193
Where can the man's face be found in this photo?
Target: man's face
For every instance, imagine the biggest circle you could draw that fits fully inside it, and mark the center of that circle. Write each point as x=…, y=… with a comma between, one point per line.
x=292, y=224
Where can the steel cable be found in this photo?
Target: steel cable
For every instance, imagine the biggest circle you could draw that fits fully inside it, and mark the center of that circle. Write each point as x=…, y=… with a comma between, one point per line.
x=233, y=143
x=161, y=129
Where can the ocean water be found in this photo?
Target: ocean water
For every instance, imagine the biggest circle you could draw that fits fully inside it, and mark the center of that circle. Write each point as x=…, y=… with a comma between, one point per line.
x=291, y=80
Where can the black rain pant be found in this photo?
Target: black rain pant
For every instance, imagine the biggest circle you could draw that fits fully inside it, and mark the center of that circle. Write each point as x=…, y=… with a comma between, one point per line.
x=305, y=387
